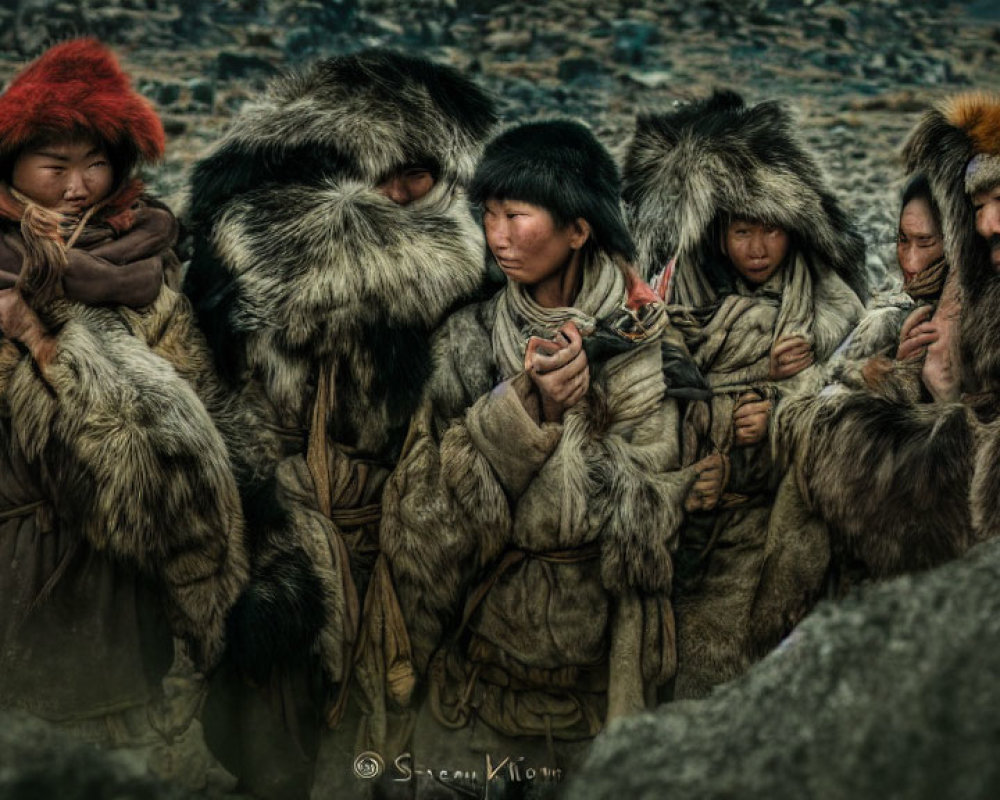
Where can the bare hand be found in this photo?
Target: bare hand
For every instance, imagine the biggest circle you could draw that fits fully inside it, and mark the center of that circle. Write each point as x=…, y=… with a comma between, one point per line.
x=559, y=370
x=940, y=372
x=19, y=322
x=917, y=335
x=750, y=419
x=789, y=356
x=713, y=474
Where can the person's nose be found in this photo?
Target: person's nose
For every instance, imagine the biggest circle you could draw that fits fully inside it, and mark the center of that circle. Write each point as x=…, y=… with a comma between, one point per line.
x=497, y=234
x=757, y=246
x=907, y=257
x=988, y=223
x=76, y=185
x=396, y=191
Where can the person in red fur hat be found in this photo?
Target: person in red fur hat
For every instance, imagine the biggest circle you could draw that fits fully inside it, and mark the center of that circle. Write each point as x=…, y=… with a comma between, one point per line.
x=120, y=521
x=71, y=133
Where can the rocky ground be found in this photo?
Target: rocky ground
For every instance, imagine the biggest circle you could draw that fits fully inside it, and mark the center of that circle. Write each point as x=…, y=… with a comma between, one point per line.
x=858, y=74
x=889, y=694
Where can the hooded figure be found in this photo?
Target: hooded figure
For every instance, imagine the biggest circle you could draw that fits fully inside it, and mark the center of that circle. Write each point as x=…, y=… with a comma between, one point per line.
x=893, y=321
x=119, y=513
x=930, y=485
x=529, y=530
x=331, y=235
x=764, y=274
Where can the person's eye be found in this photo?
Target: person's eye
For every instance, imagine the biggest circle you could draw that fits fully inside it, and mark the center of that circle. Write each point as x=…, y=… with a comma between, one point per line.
x=98, y=164
x=513, y=214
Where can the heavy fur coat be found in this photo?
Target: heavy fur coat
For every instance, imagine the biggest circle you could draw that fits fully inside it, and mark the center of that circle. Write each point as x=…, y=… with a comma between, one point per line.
x=318, y=295
x=532, y=562
x=746, y=569
x=929, y=490
x=118, y=504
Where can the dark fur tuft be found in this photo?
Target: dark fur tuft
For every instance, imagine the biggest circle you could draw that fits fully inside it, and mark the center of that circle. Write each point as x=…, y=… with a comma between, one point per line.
x=278, y=616
x=909, y=507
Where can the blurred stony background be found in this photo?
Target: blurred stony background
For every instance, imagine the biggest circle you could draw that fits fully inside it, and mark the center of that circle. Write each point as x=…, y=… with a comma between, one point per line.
x=858, y=73
x=888, y=695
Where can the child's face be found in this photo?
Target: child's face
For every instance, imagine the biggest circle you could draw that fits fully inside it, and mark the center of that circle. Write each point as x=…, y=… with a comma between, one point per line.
x=65, y=175
x=756, y=249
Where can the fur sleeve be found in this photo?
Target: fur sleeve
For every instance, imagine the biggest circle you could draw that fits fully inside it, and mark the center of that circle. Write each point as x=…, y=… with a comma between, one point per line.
x=445, y=513
x=138, y=467
x=891, y=480
x=642, y=484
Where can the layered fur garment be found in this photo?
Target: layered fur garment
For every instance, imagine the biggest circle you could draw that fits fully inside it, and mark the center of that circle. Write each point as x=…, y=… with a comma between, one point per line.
x=302, y=272
x=129, y=456
x=747, y=569
x=908, y=508
x=721, y=156
x=941, y=146
x=488, y=503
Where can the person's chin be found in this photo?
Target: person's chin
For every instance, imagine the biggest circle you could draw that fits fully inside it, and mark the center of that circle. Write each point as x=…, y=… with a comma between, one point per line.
x=759, y=275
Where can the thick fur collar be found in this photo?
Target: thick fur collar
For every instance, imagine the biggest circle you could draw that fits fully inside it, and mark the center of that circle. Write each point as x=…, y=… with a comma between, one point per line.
x=719, y=155
x=296, y=274
x=941, y=146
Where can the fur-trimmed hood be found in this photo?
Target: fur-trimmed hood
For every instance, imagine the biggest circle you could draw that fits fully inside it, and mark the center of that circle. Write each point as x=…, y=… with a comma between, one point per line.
x=360, y=117
x=942, y=145
x=299, y=261
x=719, y=155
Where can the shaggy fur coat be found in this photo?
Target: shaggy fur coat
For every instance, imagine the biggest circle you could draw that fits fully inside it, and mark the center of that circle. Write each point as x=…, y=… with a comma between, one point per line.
x=118, y=505
x=930, y=485
x=533, y=562
x=318, y=295
x=745, y=570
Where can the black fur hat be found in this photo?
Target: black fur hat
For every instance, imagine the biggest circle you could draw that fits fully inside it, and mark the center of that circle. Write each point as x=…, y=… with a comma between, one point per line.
x=560, y=166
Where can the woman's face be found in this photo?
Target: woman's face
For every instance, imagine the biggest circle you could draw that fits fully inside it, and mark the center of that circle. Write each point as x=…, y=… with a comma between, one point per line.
x=526, y=242
x=918, y=243
x=65, y=175
x=407, y=185
x=755, y=249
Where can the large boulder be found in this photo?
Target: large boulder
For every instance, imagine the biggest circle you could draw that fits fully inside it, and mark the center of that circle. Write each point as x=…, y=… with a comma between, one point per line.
x=891, y=693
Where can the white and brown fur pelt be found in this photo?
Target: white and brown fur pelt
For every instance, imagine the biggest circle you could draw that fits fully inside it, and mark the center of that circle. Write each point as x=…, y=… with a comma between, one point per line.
x=130, y=456
x=300, y=265
x=719, y=155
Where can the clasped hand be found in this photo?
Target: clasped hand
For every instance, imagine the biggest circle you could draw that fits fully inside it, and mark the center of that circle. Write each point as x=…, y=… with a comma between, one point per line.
x=559, y=370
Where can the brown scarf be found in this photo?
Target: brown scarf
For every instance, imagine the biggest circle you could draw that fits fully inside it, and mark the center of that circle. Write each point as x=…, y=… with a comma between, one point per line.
x=47, y=235
x=929, y=282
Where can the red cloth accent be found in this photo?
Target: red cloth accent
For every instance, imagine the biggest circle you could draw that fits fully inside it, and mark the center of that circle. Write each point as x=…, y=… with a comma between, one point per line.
x=78, y=85
x=638, y=292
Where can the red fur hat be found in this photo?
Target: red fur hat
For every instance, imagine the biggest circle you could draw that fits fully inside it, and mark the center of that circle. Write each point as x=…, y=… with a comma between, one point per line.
x=79, y=86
